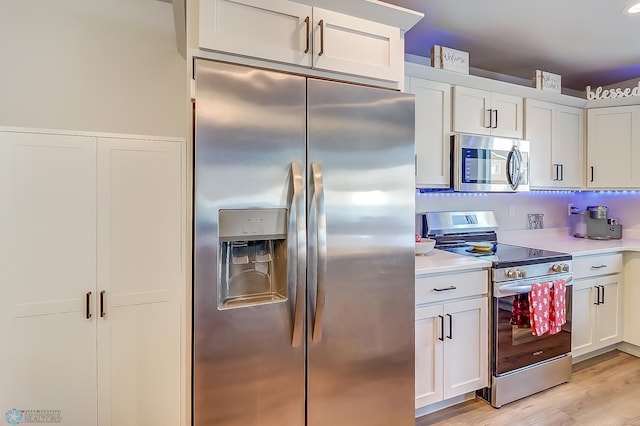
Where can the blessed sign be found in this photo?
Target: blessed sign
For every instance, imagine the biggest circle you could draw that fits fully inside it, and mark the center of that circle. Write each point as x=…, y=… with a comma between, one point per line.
x=600, y=93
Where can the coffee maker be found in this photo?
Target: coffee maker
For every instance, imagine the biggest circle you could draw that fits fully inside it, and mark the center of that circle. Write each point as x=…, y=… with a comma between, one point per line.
x=593, y=223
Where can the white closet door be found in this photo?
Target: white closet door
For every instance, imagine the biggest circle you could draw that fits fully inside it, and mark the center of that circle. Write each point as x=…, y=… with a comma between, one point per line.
x=47, y=267
x=140, y=271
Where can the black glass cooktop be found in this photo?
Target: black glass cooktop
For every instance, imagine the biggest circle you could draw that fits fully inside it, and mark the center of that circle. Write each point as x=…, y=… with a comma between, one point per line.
x=506, y=255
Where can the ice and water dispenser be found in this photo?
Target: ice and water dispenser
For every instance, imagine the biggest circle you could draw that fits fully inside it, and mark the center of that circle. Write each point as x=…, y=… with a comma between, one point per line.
x=253, y=257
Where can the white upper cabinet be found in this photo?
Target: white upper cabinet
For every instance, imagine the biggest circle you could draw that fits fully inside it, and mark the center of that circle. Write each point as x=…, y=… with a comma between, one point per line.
x=273, y=30
x=487, y=113
x=613, y=157
x=433, y=130
x=299, y=34
x=556, y=134
x=356, y=46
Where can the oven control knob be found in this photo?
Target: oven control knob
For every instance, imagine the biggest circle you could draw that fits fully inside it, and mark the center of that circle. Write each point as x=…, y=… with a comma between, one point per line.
x=520, y=273
x=560, y=267
x=511, y=273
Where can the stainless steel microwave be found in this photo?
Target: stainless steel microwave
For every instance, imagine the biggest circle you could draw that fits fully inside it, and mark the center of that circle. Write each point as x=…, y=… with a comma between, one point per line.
x=489, y=164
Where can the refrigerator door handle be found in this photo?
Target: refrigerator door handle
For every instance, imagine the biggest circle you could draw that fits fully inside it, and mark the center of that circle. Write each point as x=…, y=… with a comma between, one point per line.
x=296, y=247
x=321, y=249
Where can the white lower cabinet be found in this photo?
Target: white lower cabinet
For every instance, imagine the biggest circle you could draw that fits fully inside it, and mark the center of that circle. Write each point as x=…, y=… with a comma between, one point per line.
x=597, y=301
x=452, y=341
x=91, y=265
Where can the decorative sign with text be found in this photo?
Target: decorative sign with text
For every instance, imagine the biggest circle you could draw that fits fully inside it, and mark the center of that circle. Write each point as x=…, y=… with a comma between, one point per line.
x=543, y=80
x=600, y=93
x=449, y=59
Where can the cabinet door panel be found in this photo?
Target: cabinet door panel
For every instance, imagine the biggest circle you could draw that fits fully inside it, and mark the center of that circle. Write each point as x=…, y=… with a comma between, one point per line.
x=433, y=130
x=612, y=135
x=269, y=29
x=539, y=132
x=356, y=46
x=582, y=316
x=471, y=110
x=466, y=347
x=608, y=322
x=508, y=119
x=140, y=228
x=428, y=355
x=568, y=146
x=47, y=266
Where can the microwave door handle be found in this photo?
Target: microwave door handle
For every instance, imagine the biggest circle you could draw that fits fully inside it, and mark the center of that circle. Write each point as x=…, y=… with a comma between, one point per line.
x=514, y=167
x=510, y=174
x=296, y=252
x=520, y=165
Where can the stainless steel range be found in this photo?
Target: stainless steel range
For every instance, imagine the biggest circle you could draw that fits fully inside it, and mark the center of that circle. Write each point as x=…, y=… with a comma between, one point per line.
x=521, y=363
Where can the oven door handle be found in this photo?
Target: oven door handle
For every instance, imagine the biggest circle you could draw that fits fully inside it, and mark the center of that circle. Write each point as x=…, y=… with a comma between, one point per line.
x=510, y=289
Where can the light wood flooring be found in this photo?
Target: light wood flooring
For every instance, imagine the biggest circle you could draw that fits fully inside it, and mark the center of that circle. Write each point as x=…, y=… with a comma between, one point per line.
x=603, y=391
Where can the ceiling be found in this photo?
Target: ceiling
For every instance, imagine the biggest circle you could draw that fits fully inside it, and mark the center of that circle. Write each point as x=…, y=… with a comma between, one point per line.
x=587, y=42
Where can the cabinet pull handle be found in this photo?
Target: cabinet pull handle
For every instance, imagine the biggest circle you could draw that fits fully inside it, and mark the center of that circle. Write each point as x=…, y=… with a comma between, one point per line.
x=450, y=335
x=87, y=302
x=102, y=312
x=561, y=171
x=306, y=22
x=495, y=125
x=490, y=111
x=556, y=172
x=321, y=23
x=598, y=266
x=602, y=301
x=441, y=336
x=597, y=295
x=451, y=287
x=591, y=173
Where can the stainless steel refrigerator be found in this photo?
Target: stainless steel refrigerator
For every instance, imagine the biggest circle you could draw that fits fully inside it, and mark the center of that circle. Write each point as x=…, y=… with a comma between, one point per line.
x=303, y=303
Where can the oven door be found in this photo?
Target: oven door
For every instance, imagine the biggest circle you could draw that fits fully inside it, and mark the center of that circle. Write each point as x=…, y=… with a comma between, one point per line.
x=515, y=346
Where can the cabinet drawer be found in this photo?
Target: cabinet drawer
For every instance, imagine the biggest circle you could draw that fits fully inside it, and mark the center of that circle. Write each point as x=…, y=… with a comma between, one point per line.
x=451, y=286
x=590, y=266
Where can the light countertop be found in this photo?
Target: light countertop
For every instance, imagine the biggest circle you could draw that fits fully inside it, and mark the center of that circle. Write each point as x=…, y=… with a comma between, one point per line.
x=560, y=239
x=439, y=261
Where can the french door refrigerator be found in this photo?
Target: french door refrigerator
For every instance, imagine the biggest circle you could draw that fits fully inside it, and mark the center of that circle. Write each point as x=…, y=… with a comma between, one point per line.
x=303, y=303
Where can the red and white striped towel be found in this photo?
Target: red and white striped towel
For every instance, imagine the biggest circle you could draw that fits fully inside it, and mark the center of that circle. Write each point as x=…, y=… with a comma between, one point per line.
x=539, y=303
x=557, y=314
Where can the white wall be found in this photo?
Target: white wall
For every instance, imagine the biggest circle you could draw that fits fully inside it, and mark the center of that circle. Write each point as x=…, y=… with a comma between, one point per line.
x=511, y=208
x=95, y=65
x=623, y=205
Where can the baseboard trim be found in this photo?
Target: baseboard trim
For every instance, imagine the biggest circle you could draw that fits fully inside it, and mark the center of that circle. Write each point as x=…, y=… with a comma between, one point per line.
x=422, y=411
x=629, y=349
